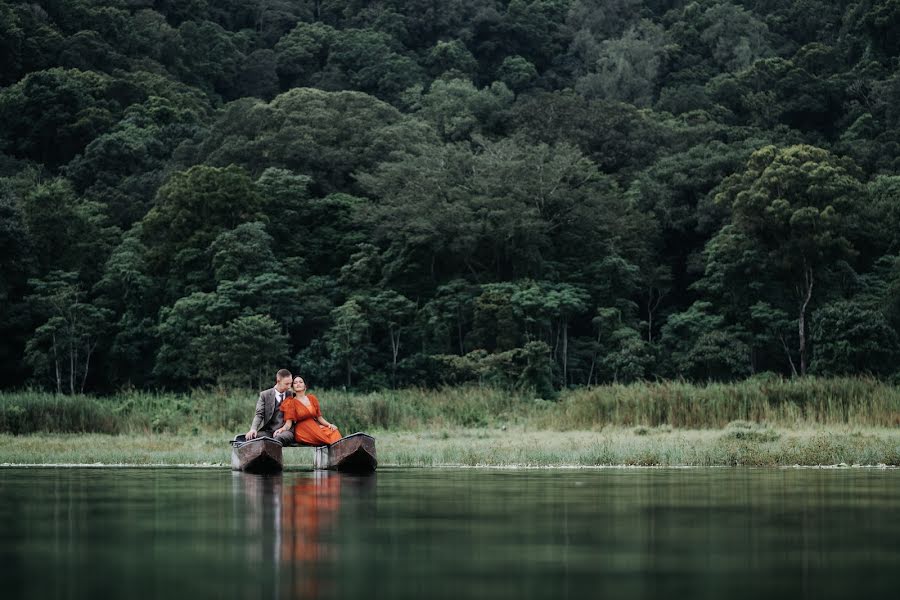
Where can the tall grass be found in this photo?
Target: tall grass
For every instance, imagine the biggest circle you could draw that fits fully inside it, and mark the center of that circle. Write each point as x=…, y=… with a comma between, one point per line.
x=140, y=412
x=856, y=401
x=853, y=401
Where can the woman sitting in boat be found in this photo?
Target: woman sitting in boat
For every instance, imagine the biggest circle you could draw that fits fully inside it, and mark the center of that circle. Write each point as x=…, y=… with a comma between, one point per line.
x=303, y=413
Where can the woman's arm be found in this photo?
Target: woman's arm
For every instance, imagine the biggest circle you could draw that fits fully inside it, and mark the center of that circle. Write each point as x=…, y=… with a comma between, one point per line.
x=317, y=411
x=285, y=427
x=322, y=421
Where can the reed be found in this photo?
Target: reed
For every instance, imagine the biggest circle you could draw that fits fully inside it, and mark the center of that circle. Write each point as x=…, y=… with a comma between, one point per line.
x=857, y=401
x=783, y=402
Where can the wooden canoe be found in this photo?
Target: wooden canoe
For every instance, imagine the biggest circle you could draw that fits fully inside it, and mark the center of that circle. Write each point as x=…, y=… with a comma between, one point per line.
x=351, y=454
x=260, y=455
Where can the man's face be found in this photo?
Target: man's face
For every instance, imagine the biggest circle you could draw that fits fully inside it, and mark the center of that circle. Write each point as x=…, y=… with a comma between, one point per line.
x=283, y=384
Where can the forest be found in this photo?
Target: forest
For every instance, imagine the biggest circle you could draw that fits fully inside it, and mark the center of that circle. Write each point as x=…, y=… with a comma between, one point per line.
x=531, y=194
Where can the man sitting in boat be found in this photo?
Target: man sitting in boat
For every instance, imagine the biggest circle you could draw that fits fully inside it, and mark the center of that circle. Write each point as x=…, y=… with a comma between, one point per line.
x=303, y=412
x=269, y=418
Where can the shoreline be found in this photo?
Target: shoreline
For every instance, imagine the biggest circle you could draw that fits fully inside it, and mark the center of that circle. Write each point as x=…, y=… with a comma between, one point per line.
x=737, y=445
x=488, y=467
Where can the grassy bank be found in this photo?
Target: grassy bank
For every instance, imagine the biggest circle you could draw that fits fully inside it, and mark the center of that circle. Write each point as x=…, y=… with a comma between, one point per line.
x=777, y=402
x=737, y=444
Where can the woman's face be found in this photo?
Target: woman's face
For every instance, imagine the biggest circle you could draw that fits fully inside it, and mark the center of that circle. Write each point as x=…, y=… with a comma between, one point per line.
x=299, y=385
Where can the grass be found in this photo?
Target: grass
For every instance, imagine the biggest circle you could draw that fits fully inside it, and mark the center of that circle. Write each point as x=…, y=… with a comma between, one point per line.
x=497, y=447
x=760, y=421
x=779, y=402
x=857, y=401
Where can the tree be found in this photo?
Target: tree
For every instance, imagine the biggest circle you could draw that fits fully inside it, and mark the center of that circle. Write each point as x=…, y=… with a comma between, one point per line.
x=346, y=335
x=326, y=136
x=50, y=116
x=243, y=351
x=245, y=251
x=17, y=265
x=67, y=232
x=256, y=76
x=850, y=339
x=12, y=36
x=128, y=292
x=627, y=69
x=703, y=347
x=567, y=301
x=619, y=353
x=192, y=209
x=71, y=328
x=451, y=57
x=317, y=55
x=617, y=137
x=507, y=208
x=448, y=315
x=211, y=57
x=551, y=306
x=734, y=37
x=796, y=208
x=457, y=109
x=516, y=72
x=302, y=54
x=392, y=312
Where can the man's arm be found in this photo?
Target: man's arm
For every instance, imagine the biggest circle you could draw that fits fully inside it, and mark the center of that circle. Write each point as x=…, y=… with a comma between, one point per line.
x=258, y=417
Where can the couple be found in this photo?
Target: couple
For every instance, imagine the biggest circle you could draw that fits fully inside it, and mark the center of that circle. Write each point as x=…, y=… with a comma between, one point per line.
x=288, y=405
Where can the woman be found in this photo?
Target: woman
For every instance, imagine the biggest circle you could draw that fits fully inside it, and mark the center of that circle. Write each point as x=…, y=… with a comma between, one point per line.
x=303, y=412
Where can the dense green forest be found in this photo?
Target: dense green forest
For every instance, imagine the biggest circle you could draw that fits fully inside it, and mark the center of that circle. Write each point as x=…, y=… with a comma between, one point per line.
x=540, y=193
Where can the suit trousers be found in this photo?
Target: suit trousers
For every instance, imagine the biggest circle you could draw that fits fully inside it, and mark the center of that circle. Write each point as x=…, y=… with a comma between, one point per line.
x=285, y=437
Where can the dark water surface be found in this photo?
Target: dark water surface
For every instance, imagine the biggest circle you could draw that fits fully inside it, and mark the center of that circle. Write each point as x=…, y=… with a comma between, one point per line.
x=667, y=533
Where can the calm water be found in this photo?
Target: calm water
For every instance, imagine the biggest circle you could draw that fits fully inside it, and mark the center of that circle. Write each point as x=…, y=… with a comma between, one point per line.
x=713, y=533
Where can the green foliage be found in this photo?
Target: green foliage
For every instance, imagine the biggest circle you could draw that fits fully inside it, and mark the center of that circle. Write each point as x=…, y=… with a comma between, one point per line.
x=191, y=211
x=50, y=116
x=627, y=69
x=849, y=338
x=795, y=215
x=703, y=347
x=526, y=368
x=533, y=193
x=516, y=72
x=68, y=331
x=345, y=337
x=327, y=136
x=245, y=351
x=457, y=109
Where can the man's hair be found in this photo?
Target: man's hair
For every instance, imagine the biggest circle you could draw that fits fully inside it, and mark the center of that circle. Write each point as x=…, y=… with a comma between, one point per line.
x=281, y=374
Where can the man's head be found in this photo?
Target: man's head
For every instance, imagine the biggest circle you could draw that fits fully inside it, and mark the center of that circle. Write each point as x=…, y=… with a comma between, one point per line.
x=282, y=380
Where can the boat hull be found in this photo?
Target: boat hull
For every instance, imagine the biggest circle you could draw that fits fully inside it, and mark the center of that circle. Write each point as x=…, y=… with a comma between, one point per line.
x=352, y=454
x=261, y=455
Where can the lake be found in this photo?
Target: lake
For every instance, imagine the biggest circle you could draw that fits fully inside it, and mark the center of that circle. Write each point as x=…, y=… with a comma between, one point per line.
x=450, y=533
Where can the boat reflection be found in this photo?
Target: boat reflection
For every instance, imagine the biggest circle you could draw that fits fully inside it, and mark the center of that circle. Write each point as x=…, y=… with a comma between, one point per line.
x=257, y=522
x=291, y=525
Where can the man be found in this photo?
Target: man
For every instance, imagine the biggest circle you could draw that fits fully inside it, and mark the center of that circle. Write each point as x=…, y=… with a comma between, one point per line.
x=268, y=417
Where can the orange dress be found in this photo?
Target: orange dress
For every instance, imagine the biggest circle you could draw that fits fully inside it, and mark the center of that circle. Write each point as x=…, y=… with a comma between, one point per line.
x=307, y=430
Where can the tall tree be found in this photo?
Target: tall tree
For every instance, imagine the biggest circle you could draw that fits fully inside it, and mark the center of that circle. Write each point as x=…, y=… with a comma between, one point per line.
x=797, y=210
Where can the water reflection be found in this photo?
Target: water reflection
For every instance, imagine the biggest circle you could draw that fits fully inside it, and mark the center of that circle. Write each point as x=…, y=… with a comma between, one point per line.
x=290, y=522
x=259, y=519
x=79, y=533
x=309, y=511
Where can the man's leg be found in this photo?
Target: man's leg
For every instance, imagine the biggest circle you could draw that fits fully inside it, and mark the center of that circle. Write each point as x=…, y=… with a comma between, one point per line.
x=286, y=438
